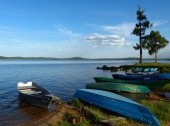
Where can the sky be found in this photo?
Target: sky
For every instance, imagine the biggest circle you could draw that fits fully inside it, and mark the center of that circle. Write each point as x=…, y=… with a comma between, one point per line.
x=78, y=28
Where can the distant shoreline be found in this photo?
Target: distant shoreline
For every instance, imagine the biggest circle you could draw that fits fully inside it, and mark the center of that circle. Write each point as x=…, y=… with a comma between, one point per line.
x=72, y=58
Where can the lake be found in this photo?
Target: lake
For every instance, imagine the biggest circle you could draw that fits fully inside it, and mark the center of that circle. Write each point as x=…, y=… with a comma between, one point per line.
x=61, y=78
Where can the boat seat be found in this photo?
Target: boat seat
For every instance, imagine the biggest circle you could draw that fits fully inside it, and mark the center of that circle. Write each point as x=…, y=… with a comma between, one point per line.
x=27, y=87
x=29, y=91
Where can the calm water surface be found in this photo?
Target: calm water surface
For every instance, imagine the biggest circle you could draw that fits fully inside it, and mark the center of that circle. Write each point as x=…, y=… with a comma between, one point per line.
x=61, y=78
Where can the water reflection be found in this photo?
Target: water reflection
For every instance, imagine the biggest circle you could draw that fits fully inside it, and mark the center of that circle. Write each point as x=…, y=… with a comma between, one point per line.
x=24, y=113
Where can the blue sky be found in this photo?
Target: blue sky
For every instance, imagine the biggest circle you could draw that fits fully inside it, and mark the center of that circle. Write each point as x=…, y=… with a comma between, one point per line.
x=77, y=28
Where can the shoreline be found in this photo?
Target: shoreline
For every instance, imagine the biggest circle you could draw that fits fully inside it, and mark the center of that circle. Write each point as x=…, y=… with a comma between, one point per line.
x=57, y=114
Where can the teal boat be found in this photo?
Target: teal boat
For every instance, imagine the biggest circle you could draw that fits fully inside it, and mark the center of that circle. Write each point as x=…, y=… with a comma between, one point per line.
x=118, y=104
x=119, y=87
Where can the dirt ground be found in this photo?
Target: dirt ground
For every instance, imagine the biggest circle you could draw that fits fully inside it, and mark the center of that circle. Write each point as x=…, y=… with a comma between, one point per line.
x=55, y=115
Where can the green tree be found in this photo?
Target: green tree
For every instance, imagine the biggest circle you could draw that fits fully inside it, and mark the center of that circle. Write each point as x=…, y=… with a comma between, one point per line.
x=154, y=42
x=140, y=29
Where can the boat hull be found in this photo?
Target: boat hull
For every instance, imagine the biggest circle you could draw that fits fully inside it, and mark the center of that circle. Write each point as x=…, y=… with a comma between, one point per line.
x=37, y=100
x=146, y=78
x=164, y=76
x=119, y=87
x=106, y=79
x=150, y=84
x=118, y=104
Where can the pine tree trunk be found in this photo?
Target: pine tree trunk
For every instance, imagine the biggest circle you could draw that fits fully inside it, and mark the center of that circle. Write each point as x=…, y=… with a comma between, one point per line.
x=140, y=41
x=140, y=55
x=156, y=52
x=156, y=57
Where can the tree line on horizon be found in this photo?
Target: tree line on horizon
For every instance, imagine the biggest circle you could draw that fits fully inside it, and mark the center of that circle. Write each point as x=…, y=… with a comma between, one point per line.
x=153, y=41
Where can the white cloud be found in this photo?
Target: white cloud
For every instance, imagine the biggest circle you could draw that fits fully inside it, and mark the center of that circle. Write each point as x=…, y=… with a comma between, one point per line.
x=114, y=35
x=124, y=29
x=105, y=40
x=159, y=23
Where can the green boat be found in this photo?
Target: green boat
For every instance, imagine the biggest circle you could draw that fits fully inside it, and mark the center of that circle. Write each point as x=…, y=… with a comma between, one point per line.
x=119, y=87
x=149, y=84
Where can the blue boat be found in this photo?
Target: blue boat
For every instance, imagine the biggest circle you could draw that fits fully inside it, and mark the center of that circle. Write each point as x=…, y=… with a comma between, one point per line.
x=165, y=76
x=148, y=78
x=118, y=104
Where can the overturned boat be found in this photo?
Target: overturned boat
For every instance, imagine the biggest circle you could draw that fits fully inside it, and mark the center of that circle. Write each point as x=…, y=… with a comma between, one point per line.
x=118, y=104
x=119, y=87
x=106, y=79
x=34, y=94
x=147, y=78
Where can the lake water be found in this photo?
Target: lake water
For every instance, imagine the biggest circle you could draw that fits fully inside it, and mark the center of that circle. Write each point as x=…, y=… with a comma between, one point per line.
x=61, y=78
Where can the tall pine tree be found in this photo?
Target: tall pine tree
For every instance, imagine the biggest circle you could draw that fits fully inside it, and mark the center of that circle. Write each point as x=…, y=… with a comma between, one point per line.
x=140, y=29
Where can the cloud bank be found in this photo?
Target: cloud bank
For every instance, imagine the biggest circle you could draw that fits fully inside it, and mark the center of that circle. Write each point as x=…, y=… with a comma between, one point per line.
x=124, y=29
x=106, y=40
x=118, y=35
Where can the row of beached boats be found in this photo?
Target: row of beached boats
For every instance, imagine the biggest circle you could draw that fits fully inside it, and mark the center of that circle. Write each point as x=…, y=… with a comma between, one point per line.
x=99, y=94
x=135, y=83
x=36, y=95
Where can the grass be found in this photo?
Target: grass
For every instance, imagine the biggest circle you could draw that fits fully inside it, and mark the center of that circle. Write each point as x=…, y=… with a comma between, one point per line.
x=63, y=123
x=96, y=116
x=52, y=123
x=68, y=121
x=75, y=102
x=93, y=114
x=153, y=64
x=165, y=87
x=161, y=109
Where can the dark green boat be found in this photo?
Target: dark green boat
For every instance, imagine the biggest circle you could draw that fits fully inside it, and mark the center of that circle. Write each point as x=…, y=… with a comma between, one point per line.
x=150, y=84
x=119, y=87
